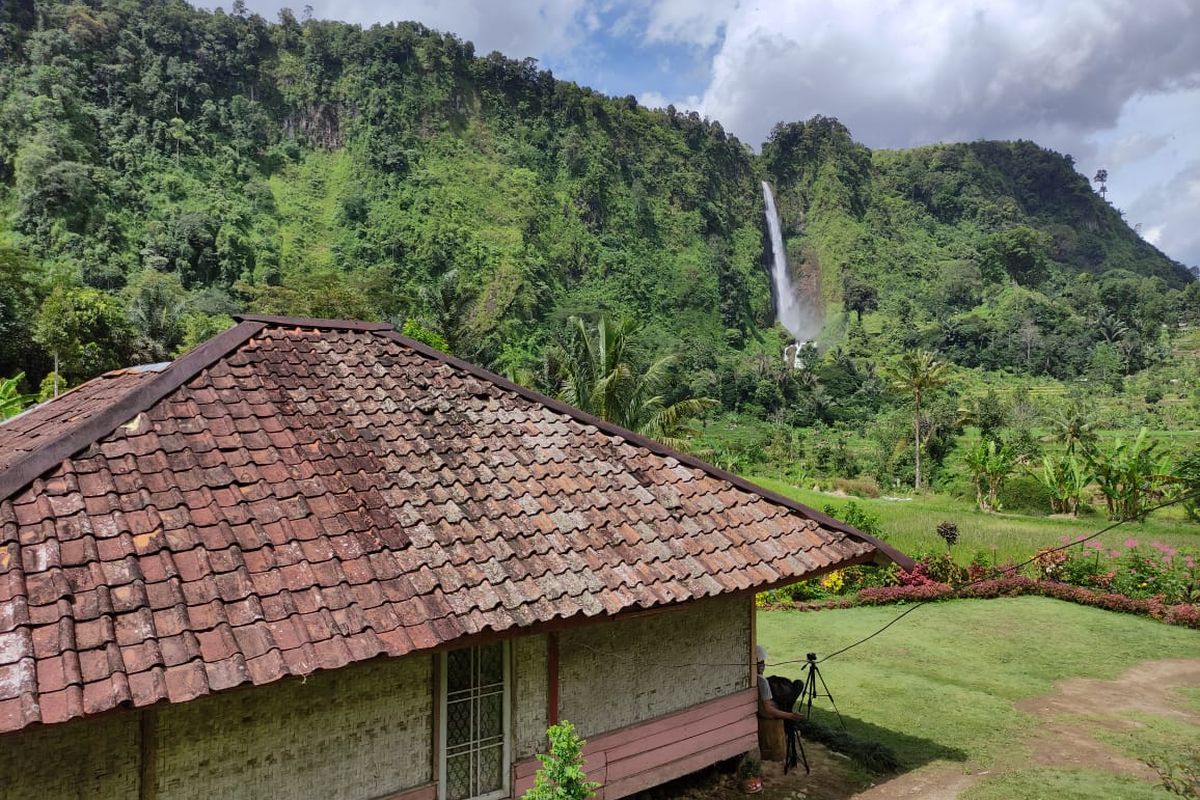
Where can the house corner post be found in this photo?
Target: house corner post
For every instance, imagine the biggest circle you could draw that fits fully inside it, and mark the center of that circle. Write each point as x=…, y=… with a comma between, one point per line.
x=148, y=755
x=551, y=679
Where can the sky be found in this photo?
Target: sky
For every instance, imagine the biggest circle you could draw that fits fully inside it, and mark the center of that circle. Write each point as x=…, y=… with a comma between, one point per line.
x=1114, y=83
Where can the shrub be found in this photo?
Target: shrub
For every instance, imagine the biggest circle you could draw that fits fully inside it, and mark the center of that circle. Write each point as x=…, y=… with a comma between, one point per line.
x=561, y=775
x=940, y=568
x=856, y=516
x=1025, y=494
x=860, y=487
x=749, y=767
x=1179, y=775
x=865, y=576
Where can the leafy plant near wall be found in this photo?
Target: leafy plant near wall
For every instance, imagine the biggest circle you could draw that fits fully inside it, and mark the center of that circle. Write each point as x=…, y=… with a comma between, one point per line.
x=12, y=401
x=561, y=776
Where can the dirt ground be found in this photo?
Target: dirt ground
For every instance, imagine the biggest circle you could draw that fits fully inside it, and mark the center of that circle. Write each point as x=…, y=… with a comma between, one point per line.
x=1064, y=738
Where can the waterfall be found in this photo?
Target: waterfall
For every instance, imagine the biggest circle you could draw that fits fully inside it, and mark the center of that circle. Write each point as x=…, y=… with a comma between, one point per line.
x=790, y=309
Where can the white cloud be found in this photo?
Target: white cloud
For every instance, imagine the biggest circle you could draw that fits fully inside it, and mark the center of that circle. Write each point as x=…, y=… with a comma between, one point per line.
x=686, y=21
x=536, y=28
x=902, y=73
x=1134, y=148
x=1168, y=213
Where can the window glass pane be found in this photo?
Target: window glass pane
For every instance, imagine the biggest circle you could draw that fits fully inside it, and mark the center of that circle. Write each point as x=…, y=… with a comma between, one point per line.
x=458, y=777
x=458, y=670
x=491, y=777
x=491, y=715
x=475, y=734
x=458, y=722
x=491, y=664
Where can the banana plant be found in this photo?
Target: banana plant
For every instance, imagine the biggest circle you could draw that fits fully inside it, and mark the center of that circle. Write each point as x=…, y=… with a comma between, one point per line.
x=991, y=463
x=1065, y=478
x=1131, y=475
x=12, y=402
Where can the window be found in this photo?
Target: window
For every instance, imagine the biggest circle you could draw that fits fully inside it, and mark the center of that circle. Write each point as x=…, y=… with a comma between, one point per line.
x=475, y=745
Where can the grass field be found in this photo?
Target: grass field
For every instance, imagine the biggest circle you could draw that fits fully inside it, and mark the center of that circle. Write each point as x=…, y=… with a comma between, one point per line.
x=940, y=688
x=911, y=525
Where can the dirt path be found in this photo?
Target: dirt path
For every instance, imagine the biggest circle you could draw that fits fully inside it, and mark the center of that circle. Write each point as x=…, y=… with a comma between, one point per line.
x=1148, y=688
x=1065, y=738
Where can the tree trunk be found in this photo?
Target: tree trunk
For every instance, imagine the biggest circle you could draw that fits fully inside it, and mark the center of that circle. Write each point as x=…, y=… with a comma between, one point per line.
x=917, y=439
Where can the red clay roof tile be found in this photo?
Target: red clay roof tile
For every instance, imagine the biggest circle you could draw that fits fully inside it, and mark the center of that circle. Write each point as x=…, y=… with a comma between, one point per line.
x=298, y=495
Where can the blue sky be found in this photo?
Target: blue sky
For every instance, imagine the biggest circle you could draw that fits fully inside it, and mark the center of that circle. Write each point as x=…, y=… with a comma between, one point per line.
x=1115, y=83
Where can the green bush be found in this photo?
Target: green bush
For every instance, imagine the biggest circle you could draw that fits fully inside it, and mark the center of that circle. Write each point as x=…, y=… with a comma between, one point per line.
x=856, y=516
x=1025, y=494
x=561, y=775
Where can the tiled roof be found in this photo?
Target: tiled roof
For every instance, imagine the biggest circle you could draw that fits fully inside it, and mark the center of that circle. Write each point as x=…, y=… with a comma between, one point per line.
x=299, y=495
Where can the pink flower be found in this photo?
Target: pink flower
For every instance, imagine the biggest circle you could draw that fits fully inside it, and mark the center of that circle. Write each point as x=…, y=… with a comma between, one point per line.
x=1095, y=545
x=1064, y=539
x=1131, y=543
x=1189, y=562
x=1080, y=537
x=1114, y=553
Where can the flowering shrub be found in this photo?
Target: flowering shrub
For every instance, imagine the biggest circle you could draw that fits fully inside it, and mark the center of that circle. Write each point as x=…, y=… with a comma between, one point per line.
x=1156, y=580
x=917, y=576
x=1157, y=570
x=941, y=567
x=1049, y=562
x=1185, y=614
x=833, y=582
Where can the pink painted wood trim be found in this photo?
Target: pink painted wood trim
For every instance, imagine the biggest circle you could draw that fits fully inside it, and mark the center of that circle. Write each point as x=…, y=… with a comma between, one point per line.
x=677, y=769
x=665, y=751
x=686, y=730
x=746, y=698
x=426, y=791
x=639, y=756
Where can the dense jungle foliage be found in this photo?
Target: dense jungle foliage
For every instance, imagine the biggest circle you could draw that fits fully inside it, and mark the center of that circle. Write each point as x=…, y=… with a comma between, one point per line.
x=162, y=168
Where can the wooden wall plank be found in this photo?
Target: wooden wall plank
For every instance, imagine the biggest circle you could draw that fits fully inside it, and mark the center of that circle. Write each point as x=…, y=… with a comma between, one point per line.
x=640, y=756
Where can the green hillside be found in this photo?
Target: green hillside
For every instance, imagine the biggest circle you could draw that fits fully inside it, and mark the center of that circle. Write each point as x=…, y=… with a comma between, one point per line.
x=163, y=167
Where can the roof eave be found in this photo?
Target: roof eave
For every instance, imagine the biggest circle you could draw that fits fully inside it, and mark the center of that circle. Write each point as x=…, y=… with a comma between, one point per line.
x=885, y=553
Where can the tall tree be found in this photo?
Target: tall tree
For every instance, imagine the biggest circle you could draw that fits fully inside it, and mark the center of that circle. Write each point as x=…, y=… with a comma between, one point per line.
x=599, y=375
x=918, y=374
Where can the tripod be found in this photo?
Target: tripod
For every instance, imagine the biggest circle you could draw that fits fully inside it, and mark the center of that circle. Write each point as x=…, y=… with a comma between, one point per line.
x=810, y=693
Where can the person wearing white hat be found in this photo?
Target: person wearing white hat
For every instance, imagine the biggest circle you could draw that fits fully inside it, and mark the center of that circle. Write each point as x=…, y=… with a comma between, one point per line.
x=766, y=700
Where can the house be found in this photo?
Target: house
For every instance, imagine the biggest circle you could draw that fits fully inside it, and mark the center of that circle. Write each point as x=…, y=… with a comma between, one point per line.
x=316, y=559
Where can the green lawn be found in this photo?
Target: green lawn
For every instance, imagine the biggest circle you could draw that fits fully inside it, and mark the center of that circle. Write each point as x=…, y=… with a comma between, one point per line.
x=939, y=688
x=911, y=525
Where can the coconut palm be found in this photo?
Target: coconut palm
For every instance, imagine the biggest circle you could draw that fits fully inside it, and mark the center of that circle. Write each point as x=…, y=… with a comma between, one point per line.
x=1073, y=428
x=918, y=374
x=597, y=374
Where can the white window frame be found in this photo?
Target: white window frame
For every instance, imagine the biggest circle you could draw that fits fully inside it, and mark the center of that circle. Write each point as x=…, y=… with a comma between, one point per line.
x=506, y=750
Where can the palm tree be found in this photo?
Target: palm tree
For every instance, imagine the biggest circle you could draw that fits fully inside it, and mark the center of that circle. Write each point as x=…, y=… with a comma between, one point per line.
x=1073, y=428
x=598, y=376
x=918, y=373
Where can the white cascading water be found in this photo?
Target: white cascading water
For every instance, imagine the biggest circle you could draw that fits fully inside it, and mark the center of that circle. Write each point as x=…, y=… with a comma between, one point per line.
x=791, y=311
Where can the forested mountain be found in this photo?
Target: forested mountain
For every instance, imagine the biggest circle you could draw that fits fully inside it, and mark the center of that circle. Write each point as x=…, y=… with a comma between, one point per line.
x=163, y=167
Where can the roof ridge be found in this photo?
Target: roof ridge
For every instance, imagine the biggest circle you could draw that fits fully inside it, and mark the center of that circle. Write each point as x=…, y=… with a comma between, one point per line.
x=646, y=442
x=24, y=470
x=315, y=322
